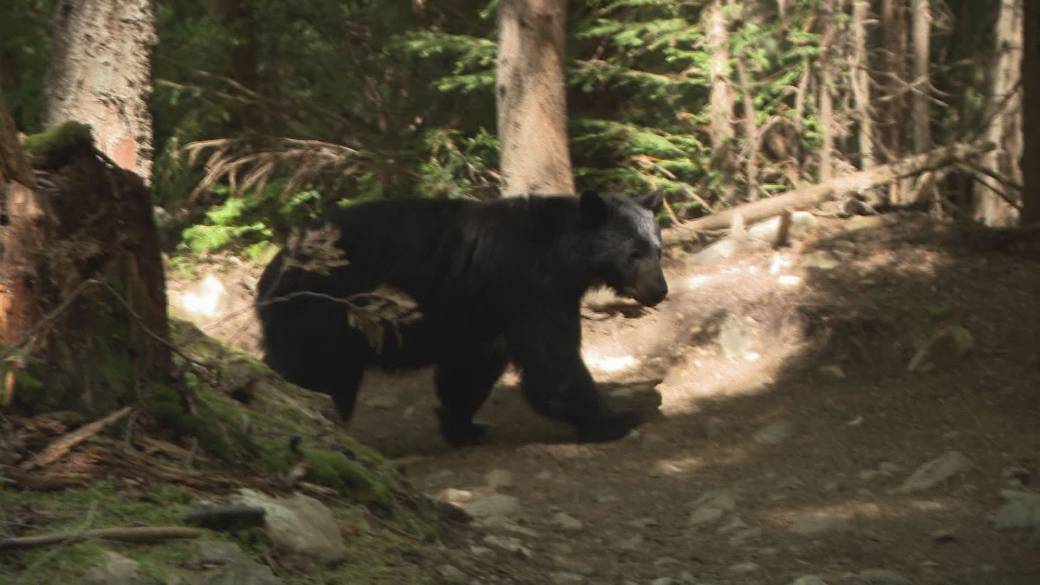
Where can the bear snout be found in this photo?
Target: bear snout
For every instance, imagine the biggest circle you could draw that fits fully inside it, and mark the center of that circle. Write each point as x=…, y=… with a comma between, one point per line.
x=649, y=296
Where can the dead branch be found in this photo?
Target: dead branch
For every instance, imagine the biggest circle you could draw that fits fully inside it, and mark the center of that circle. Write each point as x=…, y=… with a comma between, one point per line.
x=808, y=196
x=135, y=534
x=59, y=448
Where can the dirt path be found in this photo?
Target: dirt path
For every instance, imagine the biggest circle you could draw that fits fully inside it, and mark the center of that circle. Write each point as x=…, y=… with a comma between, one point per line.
x=788, y=424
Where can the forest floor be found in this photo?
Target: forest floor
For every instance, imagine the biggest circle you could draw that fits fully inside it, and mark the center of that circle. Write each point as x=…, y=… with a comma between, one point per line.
x=791, y=433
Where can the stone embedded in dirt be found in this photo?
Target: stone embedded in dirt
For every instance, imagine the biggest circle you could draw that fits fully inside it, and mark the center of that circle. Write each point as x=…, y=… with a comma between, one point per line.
x=300, y=525
x=717, y=252
x=711, y=506
x=774, y=433
x=821, y=259
x=882, y=577
x=506, y=524
x=1021, y=510
x=498, y=479
x=817, y=522
x=565, y=578
x=492, y=505
x=744, y=568
x=566, y=521
x=631, y=543
x=808, y=580
x=224, y=562
x=734, y=339
x=508, y=544
x=946, y=347
x=115, y=569
x=453, y=496
x=833, y=371
x=935, y=472
x=451, y=574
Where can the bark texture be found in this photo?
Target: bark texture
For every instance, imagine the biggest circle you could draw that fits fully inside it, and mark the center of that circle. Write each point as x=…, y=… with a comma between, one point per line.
x=1031, y=109
x=861, y=83
x=100, y=75
x=531, y=98
x=82, y=291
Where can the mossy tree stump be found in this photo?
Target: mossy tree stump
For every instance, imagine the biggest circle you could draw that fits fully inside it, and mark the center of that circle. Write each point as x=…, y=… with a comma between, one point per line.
x=82, y=292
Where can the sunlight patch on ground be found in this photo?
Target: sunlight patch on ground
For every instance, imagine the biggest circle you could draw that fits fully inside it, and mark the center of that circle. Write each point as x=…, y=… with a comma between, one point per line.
x=608, y=364
x=207, y=298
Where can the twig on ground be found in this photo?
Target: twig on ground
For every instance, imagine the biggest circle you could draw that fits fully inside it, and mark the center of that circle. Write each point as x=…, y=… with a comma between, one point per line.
x=59, y=448
x=128, y=534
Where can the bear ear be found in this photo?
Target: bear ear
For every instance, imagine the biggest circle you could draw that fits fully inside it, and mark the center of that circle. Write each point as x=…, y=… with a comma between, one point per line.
x=593, y=208
x=653, y=201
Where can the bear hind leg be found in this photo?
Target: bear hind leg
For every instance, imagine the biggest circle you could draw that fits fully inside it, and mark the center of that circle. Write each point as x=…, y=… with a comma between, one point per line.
x=464, y=381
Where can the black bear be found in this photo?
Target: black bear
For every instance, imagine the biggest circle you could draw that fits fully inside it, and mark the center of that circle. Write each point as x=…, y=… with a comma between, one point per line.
x=495, y=282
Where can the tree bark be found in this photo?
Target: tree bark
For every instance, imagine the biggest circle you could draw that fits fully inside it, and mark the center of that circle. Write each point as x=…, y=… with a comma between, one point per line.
x=922, y=29
x=1004, y=116
x=825, y=99
x=807, y=196
x=531, y=97
x=893, y=76
x=720, y=101
x=100, y=74
x=82, y=294
x=1031, y=110
x=860, y=83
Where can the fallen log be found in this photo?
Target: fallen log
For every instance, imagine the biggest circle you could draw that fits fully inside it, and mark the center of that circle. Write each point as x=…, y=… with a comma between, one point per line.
x=808, y=196
x=135, y=534
x=59, y=448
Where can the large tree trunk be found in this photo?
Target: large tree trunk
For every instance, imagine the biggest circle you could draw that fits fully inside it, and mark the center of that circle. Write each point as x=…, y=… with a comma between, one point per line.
x=826, y=102
x=1031, y=109
x=100, y=74
x=893, y=78
x=922, y=35
x=82, y=295
x=531, y=96
x=1004, y=116
x=240, y=24
x=860, y=83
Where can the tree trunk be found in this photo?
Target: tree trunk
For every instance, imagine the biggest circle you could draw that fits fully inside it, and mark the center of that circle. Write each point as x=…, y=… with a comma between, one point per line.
x=720, y=101
x=860, y=83
x=82, y=295
x=826, y=101
x=240, y=24
x=531, y=97
x=100, y=75
x=1004, y=118
x=893, y=77
x=1031, y=109
x=922, y=35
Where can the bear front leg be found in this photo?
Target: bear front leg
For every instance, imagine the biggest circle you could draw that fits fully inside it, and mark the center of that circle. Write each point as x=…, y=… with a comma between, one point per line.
x=547, y=349
x=464, y=381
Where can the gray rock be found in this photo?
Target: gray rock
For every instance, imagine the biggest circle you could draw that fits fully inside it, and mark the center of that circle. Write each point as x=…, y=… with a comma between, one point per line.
x=716, y=252
x=816, y=522
x=712, y=506
x=508, y=544
x=935, y=472
x=808, y=580
x=493, y=505
x=820, y=259
x=833, y=371
x=224, y=563
x=498, y=479
x=744, y=568
x=115, y=569
x=451, y=574
x=946, y=347
x=567, y=522
x=774, y=433
x=882, y=577
x=734, y=340
x=299, y=525
x=1021, y=510
x=565, y=578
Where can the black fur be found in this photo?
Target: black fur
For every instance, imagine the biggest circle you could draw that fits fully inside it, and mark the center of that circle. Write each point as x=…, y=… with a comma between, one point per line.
x=496, y=282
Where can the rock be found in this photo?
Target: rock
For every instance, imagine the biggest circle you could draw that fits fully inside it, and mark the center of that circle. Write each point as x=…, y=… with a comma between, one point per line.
x=504, y=523
x=508, y=544
x=493, y=505
x=935, y=472
x=744, y=568
x=566, y=521
x=299, y=525
x=821, y=259
x=817, y=522
x=631, y=543
x=882, y=577
x=946, y=347
x=736, y=342
x=454, y=496
x=808, y=580
x=711, y=507
x=767, y=231
x=565, y=578
x=224, y=563
x=716, y=252
x=451, y=574
x=833, y=371
x=774, y=433
x=1021, y=510
x=115, y=569
x=498, y=479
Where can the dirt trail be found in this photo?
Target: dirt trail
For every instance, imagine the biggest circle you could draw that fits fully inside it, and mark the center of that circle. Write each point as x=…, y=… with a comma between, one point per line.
x=788, y=422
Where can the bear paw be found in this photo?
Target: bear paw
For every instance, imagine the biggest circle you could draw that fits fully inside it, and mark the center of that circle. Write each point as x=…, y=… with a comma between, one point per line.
x=461, y=433
x=609, y=427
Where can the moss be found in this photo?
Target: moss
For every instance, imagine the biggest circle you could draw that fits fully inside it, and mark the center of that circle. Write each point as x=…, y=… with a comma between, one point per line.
x=56, y=146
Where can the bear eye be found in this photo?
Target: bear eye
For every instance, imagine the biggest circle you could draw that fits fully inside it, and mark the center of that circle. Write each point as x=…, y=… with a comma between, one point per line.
x=635, y=255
